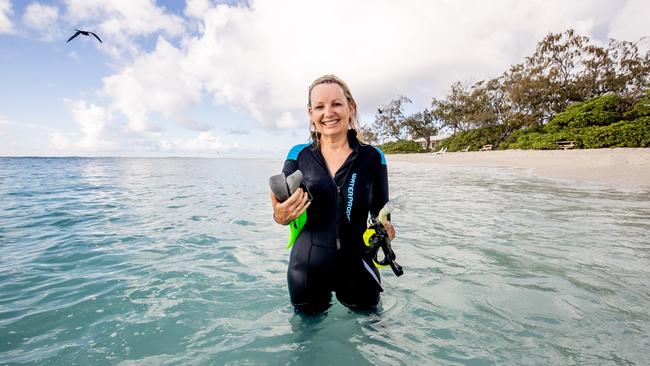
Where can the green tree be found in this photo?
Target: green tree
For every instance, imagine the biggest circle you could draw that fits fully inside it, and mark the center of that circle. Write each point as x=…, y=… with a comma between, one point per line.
x=392, y=123
x=620, y=69
x=422, y=125
x=389, y=120
x=368, y=135
x=464, y=107
x=565, y=68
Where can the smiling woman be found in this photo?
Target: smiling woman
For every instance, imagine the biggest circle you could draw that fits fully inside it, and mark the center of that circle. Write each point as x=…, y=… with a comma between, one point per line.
x=347, y=181
x=330, y=97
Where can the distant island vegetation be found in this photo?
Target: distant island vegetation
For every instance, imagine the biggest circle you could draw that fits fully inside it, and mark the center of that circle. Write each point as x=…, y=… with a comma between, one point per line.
x=569, y=90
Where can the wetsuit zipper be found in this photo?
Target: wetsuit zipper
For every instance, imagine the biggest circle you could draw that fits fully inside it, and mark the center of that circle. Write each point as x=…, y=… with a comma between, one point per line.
x=338, y=198
x=338, y=191
x=339, y=219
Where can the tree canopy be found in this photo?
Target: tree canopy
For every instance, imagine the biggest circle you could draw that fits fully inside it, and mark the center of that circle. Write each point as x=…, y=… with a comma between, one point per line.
x=565, y=69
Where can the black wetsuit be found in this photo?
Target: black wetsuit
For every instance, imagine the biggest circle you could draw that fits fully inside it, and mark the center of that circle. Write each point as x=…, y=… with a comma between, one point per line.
x=328, y=254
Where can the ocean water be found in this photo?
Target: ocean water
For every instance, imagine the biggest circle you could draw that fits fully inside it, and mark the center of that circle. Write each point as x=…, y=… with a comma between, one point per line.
x=113, y=261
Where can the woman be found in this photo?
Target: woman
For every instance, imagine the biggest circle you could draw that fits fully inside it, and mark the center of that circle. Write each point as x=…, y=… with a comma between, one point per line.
x=347, y=181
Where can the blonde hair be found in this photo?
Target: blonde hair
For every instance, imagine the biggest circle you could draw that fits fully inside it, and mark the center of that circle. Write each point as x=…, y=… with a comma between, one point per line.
x=354, y=118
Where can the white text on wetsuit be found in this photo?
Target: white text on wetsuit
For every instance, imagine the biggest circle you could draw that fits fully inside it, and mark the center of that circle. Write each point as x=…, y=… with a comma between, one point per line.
x=348, y=209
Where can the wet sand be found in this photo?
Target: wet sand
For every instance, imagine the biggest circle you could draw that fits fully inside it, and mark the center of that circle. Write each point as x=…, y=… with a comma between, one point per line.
x=621, y=167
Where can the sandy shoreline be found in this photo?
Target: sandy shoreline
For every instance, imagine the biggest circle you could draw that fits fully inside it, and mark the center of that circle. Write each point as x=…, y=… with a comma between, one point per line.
x=621, y=167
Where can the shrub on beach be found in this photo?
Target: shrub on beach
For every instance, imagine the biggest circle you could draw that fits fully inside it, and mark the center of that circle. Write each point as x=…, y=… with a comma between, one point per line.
x=605, y=121
x=542, y=141
x=401, y=147
x=516, y=140
x=599, y=111
x=640, y=108
x=475, y=138
x=634, y=133
x=620, y=134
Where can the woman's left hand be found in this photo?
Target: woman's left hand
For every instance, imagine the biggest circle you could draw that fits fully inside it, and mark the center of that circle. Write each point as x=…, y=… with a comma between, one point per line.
x=390, y=230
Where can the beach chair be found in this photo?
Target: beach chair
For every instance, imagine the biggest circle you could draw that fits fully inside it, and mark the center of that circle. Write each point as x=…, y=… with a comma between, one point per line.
x=565, y=145
x=466, y=149
x=486, y=148
x=442, y=151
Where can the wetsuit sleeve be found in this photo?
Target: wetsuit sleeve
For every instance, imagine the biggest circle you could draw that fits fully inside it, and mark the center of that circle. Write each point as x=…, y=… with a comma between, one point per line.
x=291, y=164
x=379, y=190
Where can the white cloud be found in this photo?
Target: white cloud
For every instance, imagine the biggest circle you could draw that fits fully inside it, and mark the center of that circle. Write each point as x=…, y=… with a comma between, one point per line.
x=6, y=26
x=43, y=18
x=93, y=121
x=6, y=121
x=59, y=141
x=287, y=120
x=205, y=142
x=238, y=131
x=101, y=132
x=40, y=16
x=20, y=138
x=74, y=56
x=632, y=22
x=135, y=17
x=159, y=82
x=119, y=22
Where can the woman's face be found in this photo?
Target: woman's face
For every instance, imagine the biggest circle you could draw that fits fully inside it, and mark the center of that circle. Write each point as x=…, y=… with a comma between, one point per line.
x=330, y=111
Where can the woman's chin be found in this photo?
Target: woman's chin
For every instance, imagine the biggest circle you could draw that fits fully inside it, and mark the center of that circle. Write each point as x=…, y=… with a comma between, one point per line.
x=333, y=132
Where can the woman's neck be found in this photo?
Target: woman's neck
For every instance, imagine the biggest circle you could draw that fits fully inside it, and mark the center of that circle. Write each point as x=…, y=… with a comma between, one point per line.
x=335, y=150
x=335, y=143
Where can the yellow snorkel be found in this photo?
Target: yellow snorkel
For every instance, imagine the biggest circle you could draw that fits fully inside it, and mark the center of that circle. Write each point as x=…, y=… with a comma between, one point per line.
x=376, y=237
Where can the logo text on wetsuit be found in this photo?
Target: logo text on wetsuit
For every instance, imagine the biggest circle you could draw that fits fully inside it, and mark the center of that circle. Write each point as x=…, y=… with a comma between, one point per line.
x=348, y=209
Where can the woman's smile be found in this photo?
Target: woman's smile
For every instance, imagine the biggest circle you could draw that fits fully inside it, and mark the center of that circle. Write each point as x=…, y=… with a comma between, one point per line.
x=331, y=122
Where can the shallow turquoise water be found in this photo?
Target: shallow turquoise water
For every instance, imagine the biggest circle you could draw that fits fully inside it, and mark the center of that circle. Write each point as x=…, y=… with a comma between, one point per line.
x=177, y=261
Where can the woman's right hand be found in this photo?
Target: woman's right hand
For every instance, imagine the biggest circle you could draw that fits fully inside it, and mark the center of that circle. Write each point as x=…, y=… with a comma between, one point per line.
x=294, y=206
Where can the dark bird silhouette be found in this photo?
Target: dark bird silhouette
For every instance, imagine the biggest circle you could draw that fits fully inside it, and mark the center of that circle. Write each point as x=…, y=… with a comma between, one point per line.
x=85, y=33
x=380, y=111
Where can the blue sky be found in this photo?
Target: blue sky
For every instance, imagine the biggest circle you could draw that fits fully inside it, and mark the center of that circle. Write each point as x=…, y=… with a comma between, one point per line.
x=202, y=78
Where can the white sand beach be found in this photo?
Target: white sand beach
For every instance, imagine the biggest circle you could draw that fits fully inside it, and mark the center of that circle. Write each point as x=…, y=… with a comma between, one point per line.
x=621, y=167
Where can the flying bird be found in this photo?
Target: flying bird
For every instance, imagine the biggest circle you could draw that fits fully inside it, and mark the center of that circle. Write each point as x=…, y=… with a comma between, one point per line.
x=85, y=33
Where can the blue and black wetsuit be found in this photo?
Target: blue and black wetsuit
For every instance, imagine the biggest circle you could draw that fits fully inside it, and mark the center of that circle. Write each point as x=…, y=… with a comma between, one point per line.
x=328, y=254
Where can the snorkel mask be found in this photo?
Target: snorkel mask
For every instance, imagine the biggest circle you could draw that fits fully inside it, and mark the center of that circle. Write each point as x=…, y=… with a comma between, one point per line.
x=376, y=237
